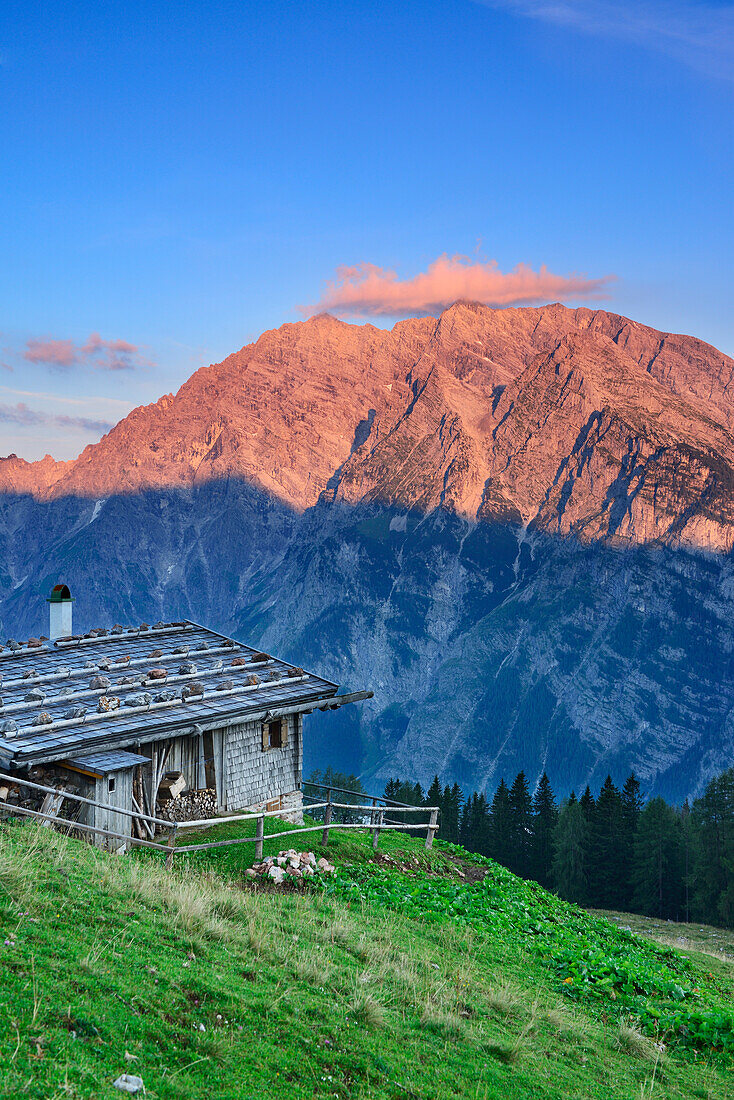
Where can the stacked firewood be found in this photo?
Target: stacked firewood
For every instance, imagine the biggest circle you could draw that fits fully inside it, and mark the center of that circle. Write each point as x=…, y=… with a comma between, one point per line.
x=189, y=806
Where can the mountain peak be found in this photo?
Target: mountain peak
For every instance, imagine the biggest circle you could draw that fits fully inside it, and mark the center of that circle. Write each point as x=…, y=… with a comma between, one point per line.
x=538, y=408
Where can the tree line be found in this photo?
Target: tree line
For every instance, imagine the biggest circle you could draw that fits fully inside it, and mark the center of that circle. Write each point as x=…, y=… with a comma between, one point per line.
x=612, y=851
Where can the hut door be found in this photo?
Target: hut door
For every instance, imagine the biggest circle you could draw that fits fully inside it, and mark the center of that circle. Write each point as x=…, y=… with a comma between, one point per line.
x=210, y=774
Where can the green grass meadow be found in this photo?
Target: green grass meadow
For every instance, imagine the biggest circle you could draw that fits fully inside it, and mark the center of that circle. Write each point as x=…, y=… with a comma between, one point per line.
x=410, y=974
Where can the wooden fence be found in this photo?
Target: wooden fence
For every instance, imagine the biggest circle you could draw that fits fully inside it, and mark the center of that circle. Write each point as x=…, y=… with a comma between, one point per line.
x=376, y=823
x=370, y=801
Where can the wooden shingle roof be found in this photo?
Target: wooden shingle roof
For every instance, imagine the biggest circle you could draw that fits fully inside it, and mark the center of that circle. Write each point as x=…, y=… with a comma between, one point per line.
x=110, y=689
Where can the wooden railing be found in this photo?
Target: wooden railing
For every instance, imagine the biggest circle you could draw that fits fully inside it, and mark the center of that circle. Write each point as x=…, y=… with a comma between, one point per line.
x=371, y=801
x=376, y=823
x=82, y=826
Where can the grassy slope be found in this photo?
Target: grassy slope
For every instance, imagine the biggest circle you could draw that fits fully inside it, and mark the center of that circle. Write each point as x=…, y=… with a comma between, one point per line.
x=707, y=940
x=218, y=991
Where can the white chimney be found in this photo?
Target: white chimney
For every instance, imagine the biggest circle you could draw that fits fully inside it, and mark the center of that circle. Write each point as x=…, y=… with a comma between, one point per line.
x=59, y=602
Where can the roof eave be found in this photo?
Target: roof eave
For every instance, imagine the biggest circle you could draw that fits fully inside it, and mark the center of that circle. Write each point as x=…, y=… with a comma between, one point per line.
x=182, y=729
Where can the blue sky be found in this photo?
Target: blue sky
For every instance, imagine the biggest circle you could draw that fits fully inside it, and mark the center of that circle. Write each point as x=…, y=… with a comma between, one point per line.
x=175, y=178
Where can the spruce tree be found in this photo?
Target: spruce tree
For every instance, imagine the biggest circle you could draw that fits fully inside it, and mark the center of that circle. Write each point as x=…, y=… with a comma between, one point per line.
x=632, y=804
x=521, y=804
x=712, y=819
x=500, y=825
x=587, y=804
x=544, y=819
x=391, y=789
x=457, y=801
x=476, y=825
x=657, y=873
x=434, y=793
x=570, y=845
x=607, y=868
x=464, y=825
x=434, y=797
x=686, y=858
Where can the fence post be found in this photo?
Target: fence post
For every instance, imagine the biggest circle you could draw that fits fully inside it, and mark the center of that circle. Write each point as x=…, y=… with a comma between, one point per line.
x=171, y=845
x=376, y=830
x=432, y=828
x=327, y=818
x=259, y=834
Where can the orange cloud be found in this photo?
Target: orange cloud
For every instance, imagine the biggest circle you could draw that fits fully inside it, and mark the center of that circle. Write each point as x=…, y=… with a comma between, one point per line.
x=366, y=290
x=111, y=354
x=55, y=353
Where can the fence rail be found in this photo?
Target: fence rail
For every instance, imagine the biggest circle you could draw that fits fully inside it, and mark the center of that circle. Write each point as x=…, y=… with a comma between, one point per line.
x=372, y=802
x=19, y=782
x=374, y=798
x=377, y=821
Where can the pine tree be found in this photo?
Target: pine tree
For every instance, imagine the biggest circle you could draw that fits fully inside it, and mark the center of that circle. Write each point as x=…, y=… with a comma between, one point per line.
x=570, y=845
x=544, y=819
x=712, y=819
x=657, y=874
x=607, y=869
x=632, y=804
x=391, y=789
x=587, y=804
x=475, y=825
x=457, y=801
x=434, y=797
x=434, y=793
x=450, y=813
x=521, y=824
x=500, y=824
x=686, y=858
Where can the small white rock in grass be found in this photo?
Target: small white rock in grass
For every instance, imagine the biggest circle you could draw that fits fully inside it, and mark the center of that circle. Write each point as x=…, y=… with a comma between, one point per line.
x=126, y=1082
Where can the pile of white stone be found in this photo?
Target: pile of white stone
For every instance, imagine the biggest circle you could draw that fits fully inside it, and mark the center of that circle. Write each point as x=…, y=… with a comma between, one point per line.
x=290, y=865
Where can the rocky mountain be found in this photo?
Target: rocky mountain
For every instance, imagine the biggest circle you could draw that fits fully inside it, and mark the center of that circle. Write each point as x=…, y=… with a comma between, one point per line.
x=514, y=525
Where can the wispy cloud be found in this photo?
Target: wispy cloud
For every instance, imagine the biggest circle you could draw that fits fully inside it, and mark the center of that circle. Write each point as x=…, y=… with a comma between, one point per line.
x=107, y=355
x=699, y=35
x=366, y=290
x=78, y=400
x=23, y=415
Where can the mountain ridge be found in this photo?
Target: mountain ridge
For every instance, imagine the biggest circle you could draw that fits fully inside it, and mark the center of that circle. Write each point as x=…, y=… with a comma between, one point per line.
x=432, y=413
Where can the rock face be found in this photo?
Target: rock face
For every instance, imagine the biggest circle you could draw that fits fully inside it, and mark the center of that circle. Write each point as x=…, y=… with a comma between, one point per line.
x=514, y=525
x=36, y=478
x=574, y=421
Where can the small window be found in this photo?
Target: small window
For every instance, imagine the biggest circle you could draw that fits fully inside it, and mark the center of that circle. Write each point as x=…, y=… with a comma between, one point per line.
x=111, y=783
x=275, y=734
